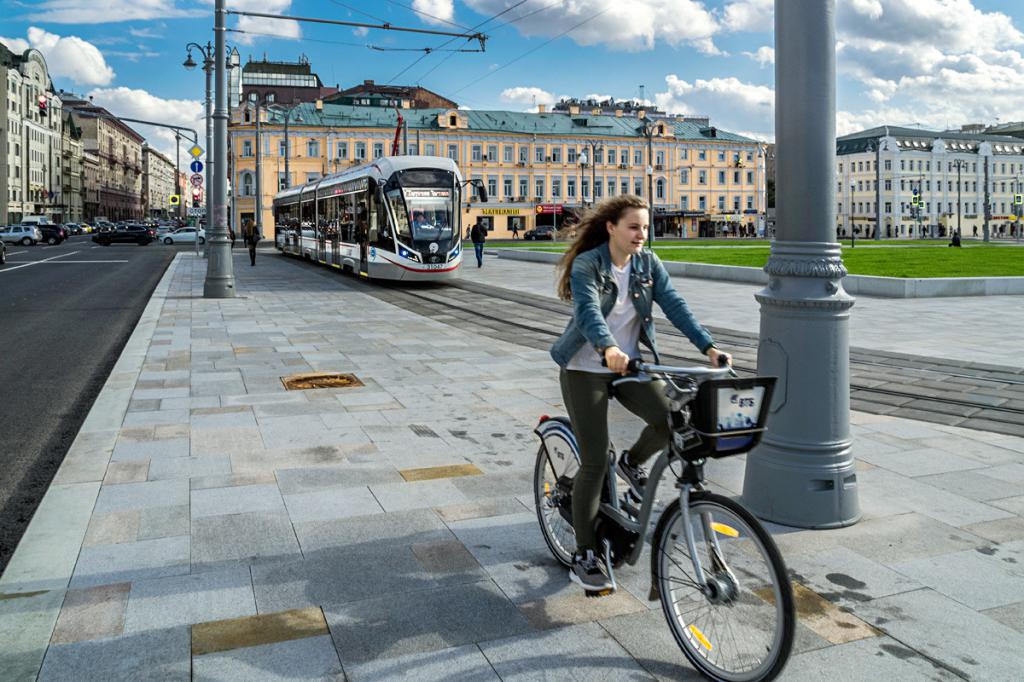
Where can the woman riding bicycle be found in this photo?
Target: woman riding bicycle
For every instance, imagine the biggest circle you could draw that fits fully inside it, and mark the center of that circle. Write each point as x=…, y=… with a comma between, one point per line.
x=613, y=284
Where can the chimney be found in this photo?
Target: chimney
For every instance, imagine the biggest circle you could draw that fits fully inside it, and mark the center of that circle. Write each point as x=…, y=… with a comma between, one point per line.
x=574, y=109
x=319, y=105
x=641, y=114
x=596, y=111
x=541, y=108
x=368, y=84
x=618, y=113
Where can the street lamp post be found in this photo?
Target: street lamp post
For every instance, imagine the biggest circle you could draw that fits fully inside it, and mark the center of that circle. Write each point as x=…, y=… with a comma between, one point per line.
x=220, y=278
x=583, y=166
x=647, y=130
x=259, y=163
x=959, y=163
x=177, y=169
x=802, y=473
x=190, y=64
x=878, y=189
x=288, y=111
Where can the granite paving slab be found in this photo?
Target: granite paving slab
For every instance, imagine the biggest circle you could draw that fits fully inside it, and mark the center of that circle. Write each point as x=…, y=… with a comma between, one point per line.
x=331, y=503
x=128, y=496
x=26, y=621
x=104, y=564
x=236, y=500
x=146, y=450
x=311, y=658
x=247, y=538
x=345, y=475
x=995, y=582
x=879, y=658
x=157, y=655
x=842, y=575
x=91, y=613
x=418, y=494
x=187, y=599
x=394, y=528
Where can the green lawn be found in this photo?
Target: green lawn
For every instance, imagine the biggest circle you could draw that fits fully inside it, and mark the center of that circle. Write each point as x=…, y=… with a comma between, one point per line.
x=937, y=260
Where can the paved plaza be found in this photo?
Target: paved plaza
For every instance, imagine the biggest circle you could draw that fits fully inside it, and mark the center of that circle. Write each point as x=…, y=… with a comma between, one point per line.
x=209, y=524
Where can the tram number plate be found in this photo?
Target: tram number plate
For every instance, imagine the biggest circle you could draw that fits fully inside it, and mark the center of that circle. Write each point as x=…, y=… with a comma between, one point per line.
x=434, y=266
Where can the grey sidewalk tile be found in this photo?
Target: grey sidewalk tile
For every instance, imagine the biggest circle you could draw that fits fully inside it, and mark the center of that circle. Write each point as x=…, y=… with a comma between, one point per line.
x=1006, y=472
x=974, y=485
x=981, y=647
x=495, y=485
x=1000, y=530
x=113, y=528
x=285, y=432
x=163, y=522
x=92, y=613
x=230, y=480
x=154, y=449
x=841, y=575
x=261, y=460
x=421, y=622
x=1011, y=615
x=921, y=462
x=217, y=388
x=395, y=528
x=886, y=540
x=311, y=658
x=251, y=538
x=222, y=418
x=187, y=599
x=126, y=496
x=331, y=503
x=878, y=658
x=236, y=500
x=158, y=655
x=26, y=622
x=464, y=664
x=156, y=417
x=225, y=441
x=343, y=475
x=577, y=652
x=480, y=509
x=128, y=471
x=1014, y=505
x=189, y=467
x=418, y=494
x=575, y=607
x=104, y=564
x=908, y=494
x=980, y=579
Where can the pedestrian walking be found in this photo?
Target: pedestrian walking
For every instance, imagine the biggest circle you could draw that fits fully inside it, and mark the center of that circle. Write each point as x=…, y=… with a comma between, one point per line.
x=251, y=235
x=515, y=230
x=231, y=235
x=478, y=234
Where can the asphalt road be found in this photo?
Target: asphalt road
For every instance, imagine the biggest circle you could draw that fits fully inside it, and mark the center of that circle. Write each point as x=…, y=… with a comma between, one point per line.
x=66, y=312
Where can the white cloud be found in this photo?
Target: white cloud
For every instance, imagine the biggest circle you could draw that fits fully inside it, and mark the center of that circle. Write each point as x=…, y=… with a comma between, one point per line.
x=616, y=25
x=144, y=32
x=764, y=55
x=750, y=15
x=440, y=11
x=730, y=103
x=282, y=28
x=529, y=97
x=141, y=104
x=66, y=57
x=360, y=32
x=92, y=12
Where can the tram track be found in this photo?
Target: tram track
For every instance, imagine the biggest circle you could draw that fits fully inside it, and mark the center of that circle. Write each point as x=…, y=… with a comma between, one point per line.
x=977, y=396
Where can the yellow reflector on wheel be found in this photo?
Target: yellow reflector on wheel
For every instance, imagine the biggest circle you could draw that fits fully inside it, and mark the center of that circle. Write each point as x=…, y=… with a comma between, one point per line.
x=724, y=529
x=547, y=489
x=700, y=637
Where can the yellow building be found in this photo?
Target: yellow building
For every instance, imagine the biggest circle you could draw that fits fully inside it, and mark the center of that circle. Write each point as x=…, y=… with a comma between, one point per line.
x=538, y=168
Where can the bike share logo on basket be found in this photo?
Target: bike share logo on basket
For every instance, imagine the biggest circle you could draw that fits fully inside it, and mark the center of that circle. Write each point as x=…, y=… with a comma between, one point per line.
x=738, y=410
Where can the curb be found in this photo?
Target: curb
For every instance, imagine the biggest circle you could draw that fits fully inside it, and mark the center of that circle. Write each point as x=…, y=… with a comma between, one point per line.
x=864, y=285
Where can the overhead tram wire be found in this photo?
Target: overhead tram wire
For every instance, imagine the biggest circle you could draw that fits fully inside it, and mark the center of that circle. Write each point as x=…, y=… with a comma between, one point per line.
x=531, y=51
x=359, y=11
x=369, y=46
x=451, y=40
x=426, y=14
x=496, y=28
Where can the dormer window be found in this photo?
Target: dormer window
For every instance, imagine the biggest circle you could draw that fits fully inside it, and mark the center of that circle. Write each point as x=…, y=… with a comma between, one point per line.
x=453, y=121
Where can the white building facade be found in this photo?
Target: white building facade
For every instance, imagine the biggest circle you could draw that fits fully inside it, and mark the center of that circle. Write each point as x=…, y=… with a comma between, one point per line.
x=159, y=183
x=880, y=171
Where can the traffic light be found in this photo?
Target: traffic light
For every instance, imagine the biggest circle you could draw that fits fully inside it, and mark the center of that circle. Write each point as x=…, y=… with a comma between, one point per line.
x=197, y=195
x=915, y=200
x=42, y=105
x=1018, y=199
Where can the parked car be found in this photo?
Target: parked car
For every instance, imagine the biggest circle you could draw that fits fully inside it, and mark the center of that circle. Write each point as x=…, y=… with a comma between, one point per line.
x=73, y=228
x=185, y=235
x=540, y=232
x=52, y=234
x=39, y=220
x=25, y=235
x=129, y=234
x=3, y=252
x=86, y=228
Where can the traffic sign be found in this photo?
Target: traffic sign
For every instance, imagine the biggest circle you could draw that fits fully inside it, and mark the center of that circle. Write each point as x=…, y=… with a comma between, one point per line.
x=196, y=180
x=174, y=200
x=196, y=211
x=196, y=166
x=196, y=151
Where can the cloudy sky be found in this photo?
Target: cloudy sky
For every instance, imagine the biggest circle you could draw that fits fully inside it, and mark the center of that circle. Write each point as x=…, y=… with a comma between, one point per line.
x=934, y=63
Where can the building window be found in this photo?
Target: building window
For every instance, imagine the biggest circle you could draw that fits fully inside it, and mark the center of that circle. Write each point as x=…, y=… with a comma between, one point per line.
x=659, y=158
x=247, y=185
x=659, y=188
x=684, y=176
x=378, y=150
x=599, y=155
x=702, y=177
x=721, y=156
x=684, y=154
x=429, y=149
x=570, y=155
x=342, y=150
x=538, y=188
x=686, y=203
x=624, y=186
x=736, y=204
x=246, y=147
x=721, y=202
x=312, y=177
x=638, y=157
x=282, y=182
x=638, y=187
x=611, y=188
x=750, y=177
x=556, y=154
x=585, y=189
x=507, y=182
x=492, y=186
x=492, y=152
x=598, y=188
x=313, y=148
x=282, y=148
x=750, y=203
x=702, y=202
x=524, y=156
x=721, y=177
x=735, y=177
x=453, y=152
x=453, y=121
x=360, y=151
x=508, y=151
x=888, y=164
x=556, y=188
x=476, y=152
x=570, y=188
x=538, y=154
x=523, y=184
x=888, y=207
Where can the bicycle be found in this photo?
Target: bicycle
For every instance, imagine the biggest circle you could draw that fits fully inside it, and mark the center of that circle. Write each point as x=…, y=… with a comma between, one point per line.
x=732, y=612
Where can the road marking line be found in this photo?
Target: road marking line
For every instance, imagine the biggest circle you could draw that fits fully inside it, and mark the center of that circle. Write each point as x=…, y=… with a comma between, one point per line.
x=60, y=262
x=37, y=262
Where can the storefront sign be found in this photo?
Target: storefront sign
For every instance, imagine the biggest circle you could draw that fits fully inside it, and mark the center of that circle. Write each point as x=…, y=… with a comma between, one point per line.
x=500, y=211
x=549, y=208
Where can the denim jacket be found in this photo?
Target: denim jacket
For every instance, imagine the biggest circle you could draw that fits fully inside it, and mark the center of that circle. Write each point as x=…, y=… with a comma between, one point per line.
x=594, y=291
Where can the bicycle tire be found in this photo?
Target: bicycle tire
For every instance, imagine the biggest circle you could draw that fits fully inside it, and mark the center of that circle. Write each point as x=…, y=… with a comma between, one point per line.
x=782, y=638
x=556, y=545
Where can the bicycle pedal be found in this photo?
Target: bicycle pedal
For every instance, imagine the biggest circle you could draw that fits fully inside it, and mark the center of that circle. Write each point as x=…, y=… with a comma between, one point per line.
x=599, y=593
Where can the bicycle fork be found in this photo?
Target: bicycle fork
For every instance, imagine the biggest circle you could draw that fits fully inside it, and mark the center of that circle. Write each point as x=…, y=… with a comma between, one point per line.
x=718, y=588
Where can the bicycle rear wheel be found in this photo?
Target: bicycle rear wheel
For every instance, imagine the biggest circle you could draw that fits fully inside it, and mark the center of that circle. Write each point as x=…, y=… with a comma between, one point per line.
x=740, y=627
x=552, y=492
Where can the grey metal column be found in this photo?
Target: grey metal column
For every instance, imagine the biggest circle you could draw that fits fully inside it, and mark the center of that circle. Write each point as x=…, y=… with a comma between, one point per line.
x=220, y=277
x=988, y=206
x=802, y=474
x=259, y=172
x=211, y=166
x=878, y=189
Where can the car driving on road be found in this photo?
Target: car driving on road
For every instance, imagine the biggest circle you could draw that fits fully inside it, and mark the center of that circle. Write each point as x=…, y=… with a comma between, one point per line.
x=26, y=235
x=185, y=235
x=540, y=232
x=129, y=234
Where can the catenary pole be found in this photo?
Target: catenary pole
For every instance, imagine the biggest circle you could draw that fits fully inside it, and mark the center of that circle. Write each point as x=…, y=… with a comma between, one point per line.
x=802, y=474
x=220, y=278
x=988, y=209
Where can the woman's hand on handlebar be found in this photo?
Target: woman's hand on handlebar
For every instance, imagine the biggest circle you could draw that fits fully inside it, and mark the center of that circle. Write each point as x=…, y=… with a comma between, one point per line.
x=616, y=360
x=718, y=358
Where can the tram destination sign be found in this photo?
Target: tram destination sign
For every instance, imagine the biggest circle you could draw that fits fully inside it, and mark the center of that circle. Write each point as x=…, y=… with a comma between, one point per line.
x=427, y=193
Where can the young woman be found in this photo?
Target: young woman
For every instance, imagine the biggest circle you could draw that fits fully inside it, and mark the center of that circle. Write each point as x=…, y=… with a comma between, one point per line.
x=613, y=284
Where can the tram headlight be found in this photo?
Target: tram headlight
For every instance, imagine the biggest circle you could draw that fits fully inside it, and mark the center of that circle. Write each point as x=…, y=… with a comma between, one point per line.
x=406, y=253
x=454, y=254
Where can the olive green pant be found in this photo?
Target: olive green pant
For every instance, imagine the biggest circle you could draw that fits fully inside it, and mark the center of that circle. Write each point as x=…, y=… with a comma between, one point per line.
x=586, y=398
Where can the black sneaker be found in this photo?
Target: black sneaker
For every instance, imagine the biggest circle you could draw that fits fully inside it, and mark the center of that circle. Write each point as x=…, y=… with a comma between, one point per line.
x=636, y=477
x=588, y=572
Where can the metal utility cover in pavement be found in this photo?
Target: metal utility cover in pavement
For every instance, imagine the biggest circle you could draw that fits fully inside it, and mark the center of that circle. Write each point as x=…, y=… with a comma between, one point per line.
x=301, y=382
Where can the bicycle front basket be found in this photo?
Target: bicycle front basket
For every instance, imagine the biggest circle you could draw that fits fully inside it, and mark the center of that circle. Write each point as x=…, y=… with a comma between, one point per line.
x=730, y=414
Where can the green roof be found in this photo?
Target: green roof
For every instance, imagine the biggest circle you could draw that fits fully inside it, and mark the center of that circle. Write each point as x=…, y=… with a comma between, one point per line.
x=863, y=140
x=554, y=124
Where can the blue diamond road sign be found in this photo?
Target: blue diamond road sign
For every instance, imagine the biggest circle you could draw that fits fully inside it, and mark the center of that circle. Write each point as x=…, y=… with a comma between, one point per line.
x=196, y=166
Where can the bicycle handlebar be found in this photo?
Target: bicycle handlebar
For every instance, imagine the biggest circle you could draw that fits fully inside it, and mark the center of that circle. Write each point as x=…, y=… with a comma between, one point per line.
x=635, y=366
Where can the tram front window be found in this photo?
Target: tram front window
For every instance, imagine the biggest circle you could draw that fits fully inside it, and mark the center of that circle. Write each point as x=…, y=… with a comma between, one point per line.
x=424, y=217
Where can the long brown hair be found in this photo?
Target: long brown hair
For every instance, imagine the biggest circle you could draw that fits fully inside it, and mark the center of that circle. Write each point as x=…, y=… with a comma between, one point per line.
x=591, y=232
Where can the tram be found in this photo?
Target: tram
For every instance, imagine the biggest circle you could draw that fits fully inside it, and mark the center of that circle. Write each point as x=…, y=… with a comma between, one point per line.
x=395, y=218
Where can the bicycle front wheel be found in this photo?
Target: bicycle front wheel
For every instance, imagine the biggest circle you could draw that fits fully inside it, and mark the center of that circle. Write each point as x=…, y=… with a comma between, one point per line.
x=552, y=492
x=739, y=624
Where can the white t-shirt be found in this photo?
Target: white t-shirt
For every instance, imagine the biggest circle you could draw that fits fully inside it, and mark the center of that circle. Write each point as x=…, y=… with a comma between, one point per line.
x=623, y=322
